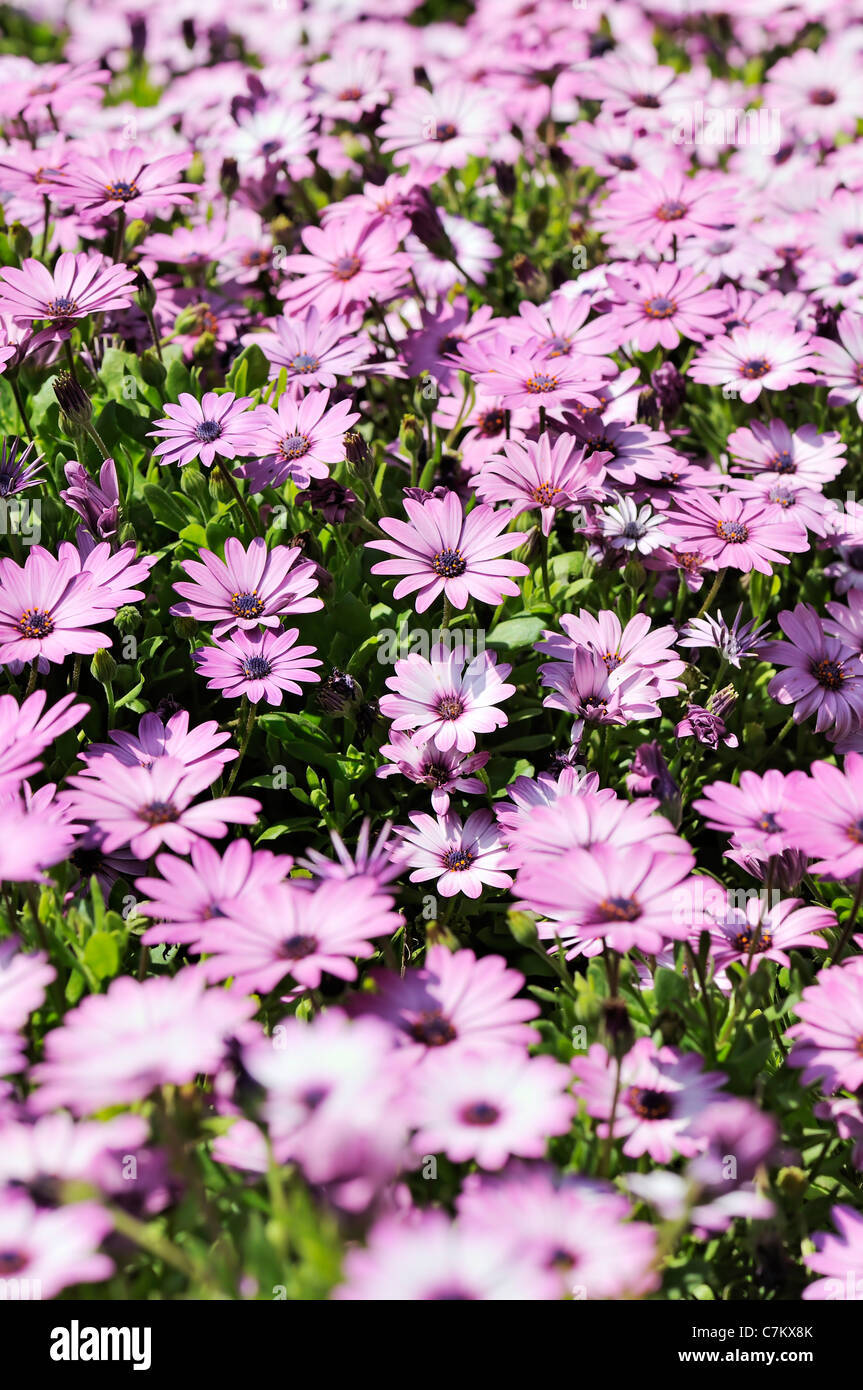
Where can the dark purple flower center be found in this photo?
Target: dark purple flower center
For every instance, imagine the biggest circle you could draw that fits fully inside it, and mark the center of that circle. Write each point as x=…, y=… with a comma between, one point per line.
x=756, y=367
x=734, y=532
x=858, y=373
x=783, y=462
x=305, y=362
x=314, y=1096
x=207, y=431
x=61, y=307
x=480, y=1113
x=350, y=94
x=822, y=96
x=436, y=774
x=612, y=660
x=450, y=1293
x=450, y=707
x=646, y=100
x=458, y=860
x=660, y=307
x=671, y=211
x=622, y=161
x=256, y=667
x=558, y=346
x=35, y=622
x=845, y=277
x=855, y=832
x=294, y=446
x=346, y=267
x=619, y=910
x=298, y=947
x=492, y=423
x=782, y=497
x=158, y=813
x=433, y=1029
x=829, y=674
x=247, y=605
x=445, y=130
x=650, y=1105
x=540, y=383
x=545, y=494
x=121, y=191
x=449, y=344
x=12, y=1262
x=449, y=563
x=743, y=940
x=594, y=704
x=768, y=824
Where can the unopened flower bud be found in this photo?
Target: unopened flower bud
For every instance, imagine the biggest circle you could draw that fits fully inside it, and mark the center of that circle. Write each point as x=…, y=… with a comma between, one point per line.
x=135, y=233
x=617, y=1027
x=229, y=177
x=410, y=434
x=103, y=667
x=670, y=388
x=505, y=179
x=357, y=453
x=522, y=925
x=205, y=346
x=127, y=619
x=634, y=574
x=145, y=292
x=340, y=693
x=22, y=240
x=191, y=317
x=152, y=370
x=73, y=399
x=220, y=490
x=193, y=483
x=185, y=627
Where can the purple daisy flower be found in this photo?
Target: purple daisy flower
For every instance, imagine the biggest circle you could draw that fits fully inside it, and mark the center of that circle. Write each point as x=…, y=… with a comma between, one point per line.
x=444, y=551
x=217, y=424
x=18, y=468
x=445, y=701
x=251, y=587
x=48, y=608
x=463, y=858
x=125, y=180
x=298, y=440
x=821, y=673
x=145, y=807
x=98, y=504
x=79, y=285
x=443, y=771
x=259, y=665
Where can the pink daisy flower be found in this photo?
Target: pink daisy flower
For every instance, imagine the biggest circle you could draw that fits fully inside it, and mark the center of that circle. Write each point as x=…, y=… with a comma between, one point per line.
x=585, y=687
x=443, y=127
x=197, y=748
x=429, y=1259
x=661, y=1095
x=259, y=665
x=749, y=360
x=312, y=351
x=298, y=440
x=441, y=771
x=665, y=303
x=188, y=896
x=24, y=978
x=290, y=930
x=840, y=365
x=52, y=1249
x=126, y=179
x=819, y=97
x=219, y=424
x=348, y=263
x=462, y=858
x=27, y=729
x=634, y=648
x=148, y=807
x=529, y=380
x=752, y=811
x=540, y=475
x=735, y=532
x=657, y=208
x=627, y=895
x=489, y=1108
x=115, y=1048
x=446, y=701
x=251, y=587
x=758, y=932
x=840, y=1258
x=827, y=1040
x=453, y=999
x=444, y=551
x=825, y=819
x=48, y=608
x=805, y=454
x=78, y=285
x=821, y=673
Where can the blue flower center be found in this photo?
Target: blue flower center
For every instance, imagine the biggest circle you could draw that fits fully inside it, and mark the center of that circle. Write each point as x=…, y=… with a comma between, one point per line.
x=207, y=431
x=256, y=667
x=449, y=563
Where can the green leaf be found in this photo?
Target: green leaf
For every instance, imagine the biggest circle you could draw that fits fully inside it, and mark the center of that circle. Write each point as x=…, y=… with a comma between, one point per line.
x=165, y=507
x=102, y=955
x=516, y=632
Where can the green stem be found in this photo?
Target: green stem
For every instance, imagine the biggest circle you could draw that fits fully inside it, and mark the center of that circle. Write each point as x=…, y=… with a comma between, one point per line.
x=19, y=401
x=238, y=497
x=247, y=734
x=714, y=590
